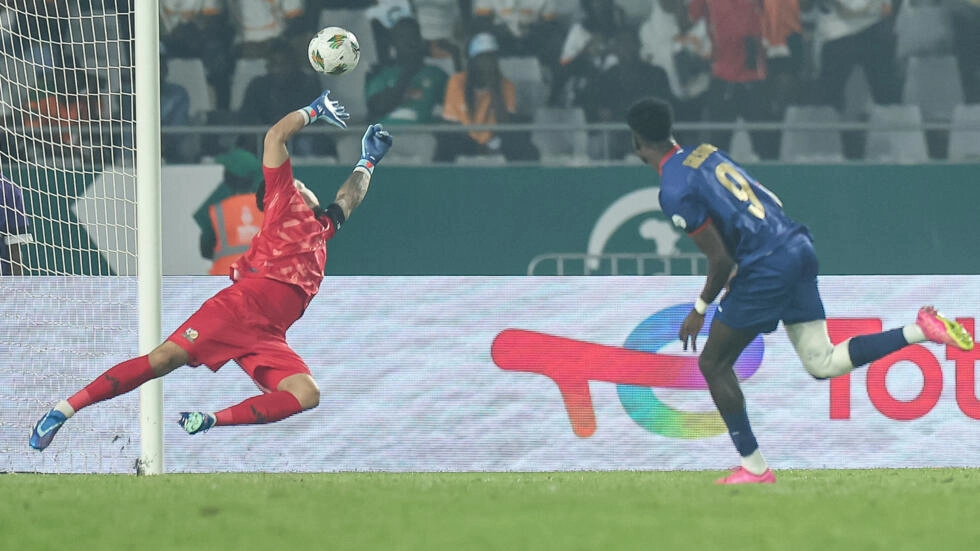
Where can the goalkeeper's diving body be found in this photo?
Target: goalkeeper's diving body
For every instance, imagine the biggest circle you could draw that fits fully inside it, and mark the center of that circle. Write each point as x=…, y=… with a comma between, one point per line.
x=768, y=264
x=274, y=282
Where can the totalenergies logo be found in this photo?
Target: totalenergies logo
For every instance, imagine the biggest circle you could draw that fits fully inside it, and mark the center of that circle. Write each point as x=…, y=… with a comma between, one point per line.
x=639, y=366
x=636, y=368
x=964, y=376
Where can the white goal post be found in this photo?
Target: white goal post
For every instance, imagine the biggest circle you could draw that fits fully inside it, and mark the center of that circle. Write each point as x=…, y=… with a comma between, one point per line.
x=149, y=256
x=80, y=142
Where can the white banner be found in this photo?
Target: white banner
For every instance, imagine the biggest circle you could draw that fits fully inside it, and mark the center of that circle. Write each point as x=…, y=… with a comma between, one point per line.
x=459, y=374
x=109, y=221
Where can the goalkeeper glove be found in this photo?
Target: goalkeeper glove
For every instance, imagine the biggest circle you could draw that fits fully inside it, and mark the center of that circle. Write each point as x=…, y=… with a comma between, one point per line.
x=325, y=108
x=375, y=143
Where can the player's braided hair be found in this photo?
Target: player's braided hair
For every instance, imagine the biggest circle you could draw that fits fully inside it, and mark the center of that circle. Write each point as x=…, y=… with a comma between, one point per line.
x=652, y=119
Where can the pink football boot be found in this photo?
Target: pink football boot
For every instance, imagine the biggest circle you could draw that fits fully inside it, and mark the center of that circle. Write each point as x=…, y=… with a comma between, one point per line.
x=941, y=330
x=741, y=476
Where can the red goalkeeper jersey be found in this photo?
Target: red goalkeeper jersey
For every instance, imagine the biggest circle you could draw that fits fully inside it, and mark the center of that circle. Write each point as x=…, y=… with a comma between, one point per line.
x=291, y=247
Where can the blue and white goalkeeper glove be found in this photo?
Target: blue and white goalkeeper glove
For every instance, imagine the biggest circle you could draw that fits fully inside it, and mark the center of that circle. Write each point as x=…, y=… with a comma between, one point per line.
x=325, y=108
x=375, y=143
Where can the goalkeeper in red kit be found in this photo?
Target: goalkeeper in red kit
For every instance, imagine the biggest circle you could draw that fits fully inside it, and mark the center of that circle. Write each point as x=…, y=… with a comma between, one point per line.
x=274, y=282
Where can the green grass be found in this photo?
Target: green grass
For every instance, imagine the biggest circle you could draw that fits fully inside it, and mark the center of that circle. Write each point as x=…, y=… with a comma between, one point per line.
x=932, y=509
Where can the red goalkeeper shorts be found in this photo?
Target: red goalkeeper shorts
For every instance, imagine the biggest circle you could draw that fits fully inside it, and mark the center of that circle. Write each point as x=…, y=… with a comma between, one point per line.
x=246, y=322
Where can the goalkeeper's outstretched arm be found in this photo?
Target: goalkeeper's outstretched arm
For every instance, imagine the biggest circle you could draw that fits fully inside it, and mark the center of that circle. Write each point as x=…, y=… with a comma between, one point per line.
x=350, y=195
x=375, y=143
x=275, y=153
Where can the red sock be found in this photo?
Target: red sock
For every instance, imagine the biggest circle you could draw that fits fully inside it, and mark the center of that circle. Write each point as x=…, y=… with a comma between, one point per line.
x=267, y=408
x=119, y=379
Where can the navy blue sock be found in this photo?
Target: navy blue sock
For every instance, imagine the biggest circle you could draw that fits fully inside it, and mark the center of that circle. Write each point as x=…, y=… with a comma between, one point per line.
x=865, y=349
x=741, y=432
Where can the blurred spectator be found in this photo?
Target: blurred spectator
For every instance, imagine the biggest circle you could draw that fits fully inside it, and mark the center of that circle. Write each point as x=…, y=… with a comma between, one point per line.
x=14, y=228
x=8, y=28
x=522, y=27
x=782, y=33
x=18, y=62
x=288, y=80
x=482, y=95
x=922, y=28
x=669, y=41
x=198, y=29
x=607, y=97
x=39, y=30
x=852, y=33
x=175, y=108
x=62, y=105
x=229, y=217
x=407, y=90
x=175, y=102
x=587, y=49
x=261, y=24
x=738, y=69
x=383, y=16
x=441, y=22
x=966, y=40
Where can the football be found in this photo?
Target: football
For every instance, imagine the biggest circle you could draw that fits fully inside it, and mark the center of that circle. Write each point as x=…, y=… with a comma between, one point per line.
x=334, y=51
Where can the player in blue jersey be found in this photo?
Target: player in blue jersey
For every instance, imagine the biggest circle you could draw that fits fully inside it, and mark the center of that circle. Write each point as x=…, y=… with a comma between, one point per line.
x=769, y=265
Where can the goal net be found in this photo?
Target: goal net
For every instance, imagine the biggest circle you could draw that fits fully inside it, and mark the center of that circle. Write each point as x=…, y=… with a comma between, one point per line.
x=67, y=152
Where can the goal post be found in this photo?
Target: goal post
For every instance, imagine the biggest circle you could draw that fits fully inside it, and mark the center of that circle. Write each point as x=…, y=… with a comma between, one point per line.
x=148, y=217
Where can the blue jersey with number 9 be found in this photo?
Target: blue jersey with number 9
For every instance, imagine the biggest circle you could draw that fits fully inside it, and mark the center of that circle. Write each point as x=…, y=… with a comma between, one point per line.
x=705, y=184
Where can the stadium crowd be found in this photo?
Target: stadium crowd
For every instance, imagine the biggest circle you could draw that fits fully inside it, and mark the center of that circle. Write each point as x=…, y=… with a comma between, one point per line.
x=471, y=62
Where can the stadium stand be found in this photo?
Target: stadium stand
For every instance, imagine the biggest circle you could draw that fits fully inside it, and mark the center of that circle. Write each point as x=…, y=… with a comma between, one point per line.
x=964, y=138
x=190, y=74
x=529, y=82
x=896, y=146
x=803, y=146
x=559, y=146
x=933, y=83
x=246, y=69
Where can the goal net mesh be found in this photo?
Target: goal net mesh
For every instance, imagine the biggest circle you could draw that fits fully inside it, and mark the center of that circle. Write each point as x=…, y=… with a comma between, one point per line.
x=67, y=149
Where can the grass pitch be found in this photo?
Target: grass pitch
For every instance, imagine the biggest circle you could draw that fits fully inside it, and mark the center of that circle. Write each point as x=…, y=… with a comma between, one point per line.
x=819, y=510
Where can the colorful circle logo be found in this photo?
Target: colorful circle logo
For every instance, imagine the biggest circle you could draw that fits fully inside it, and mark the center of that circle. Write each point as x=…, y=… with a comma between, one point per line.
x=654, y=334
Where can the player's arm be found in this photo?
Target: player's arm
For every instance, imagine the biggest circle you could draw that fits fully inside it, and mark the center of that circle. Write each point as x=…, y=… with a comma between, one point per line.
x=720, y=263
x=349, y=196
x=720, y=266
x=383, y=100
x=375, y=143
x=322, y=108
